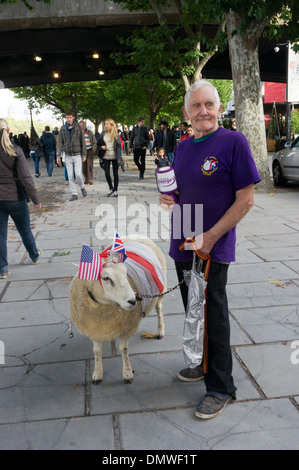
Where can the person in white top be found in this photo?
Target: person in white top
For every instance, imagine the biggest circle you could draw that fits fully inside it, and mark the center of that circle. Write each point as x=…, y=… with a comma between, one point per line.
x=110, y=152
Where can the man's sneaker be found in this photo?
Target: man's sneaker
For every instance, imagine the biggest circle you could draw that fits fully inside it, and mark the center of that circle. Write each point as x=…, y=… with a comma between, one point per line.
x=40, y=254
x=4, y=275
x=212, y=405
x=191, y=375
x=84, y=192
x=74, y=197
x=110, y=193
x=114, y=194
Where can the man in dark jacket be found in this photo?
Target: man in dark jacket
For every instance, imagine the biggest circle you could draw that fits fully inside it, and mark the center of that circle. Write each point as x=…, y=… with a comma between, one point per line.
x=49, y=143
x=167, y=140
x=71, y=140
x=139, y=140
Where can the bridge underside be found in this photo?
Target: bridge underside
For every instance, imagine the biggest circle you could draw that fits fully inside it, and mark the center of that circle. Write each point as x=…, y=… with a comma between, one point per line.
x=68, y=51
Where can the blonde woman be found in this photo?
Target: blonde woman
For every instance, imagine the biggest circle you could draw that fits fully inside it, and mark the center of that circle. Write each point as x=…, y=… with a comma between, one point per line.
x=15, y=182
x=110, y=151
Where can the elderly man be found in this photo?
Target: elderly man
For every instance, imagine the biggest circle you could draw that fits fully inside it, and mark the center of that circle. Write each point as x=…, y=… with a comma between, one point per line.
x=213, y=168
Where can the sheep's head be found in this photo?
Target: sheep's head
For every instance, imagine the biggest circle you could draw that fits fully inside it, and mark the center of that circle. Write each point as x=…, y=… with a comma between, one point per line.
x=116, y=285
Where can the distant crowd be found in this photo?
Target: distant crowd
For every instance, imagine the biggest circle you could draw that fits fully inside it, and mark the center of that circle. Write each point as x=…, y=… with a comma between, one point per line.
x=74, y=147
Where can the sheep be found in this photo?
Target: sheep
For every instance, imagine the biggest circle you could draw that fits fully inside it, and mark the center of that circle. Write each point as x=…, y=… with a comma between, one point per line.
x=106, y=310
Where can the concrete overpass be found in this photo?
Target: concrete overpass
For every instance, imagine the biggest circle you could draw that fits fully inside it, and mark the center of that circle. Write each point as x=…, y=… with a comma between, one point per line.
x=65, y=34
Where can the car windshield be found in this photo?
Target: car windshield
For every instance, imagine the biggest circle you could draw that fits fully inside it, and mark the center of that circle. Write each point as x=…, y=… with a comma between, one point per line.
x=296, y=142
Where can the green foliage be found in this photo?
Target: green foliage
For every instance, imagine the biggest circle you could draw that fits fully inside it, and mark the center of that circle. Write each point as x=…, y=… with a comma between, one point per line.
x=295, y=121
x=225, y=90
x=123, y=100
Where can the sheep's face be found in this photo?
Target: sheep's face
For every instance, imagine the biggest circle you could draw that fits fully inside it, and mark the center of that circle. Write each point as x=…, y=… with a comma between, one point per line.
x=116, y=285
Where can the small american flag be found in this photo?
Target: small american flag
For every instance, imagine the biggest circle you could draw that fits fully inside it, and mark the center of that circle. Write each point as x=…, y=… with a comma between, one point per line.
x=90, y=264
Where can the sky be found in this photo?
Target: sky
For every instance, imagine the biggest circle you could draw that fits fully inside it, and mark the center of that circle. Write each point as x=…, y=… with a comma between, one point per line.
x=18, y=109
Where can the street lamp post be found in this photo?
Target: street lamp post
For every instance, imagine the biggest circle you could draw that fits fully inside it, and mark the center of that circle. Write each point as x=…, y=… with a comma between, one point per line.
x=288, y=110
x=288, y=104
x=31, y=121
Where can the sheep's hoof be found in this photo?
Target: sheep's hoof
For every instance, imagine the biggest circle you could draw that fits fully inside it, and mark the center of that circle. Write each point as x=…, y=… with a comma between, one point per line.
x=96, y=381
x=128, y=381
x=159, y=336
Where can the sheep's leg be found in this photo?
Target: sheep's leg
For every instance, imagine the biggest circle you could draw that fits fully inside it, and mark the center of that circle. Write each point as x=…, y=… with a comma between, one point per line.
x=128, y=373
x=98, y=366
x=159, y=310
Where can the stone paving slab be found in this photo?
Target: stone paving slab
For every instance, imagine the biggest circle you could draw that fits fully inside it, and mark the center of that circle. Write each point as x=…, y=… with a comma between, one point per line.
x=271, y=367
x=87, y=433
x=269, y=420
x=269, y=323
x=284, y=253
x=261, y=294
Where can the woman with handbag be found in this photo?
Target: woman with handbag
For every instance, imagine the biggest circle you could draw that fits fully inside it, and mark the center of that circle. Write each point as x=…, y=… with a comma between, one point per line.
x=110, y=151
x=15, y=183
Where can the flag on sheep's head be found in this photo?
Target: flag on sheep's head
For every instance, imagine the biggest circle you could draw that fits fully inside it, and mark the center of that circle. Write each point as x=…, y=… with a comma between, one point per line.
x=90, y=264
x=116, y=247
x=119, y=248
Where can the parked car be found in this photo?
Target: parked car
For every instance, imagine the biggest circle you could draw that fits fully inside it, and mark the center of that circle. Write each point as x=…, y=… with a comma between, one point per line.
x=285, y=164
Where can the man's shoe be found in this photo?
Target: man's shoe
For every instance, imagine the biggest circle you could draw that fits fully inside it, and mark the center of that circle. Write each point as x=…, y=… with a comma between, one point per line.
x=110, y=193
x=40, y=254
x=84, y=192
x=191, y=375
x=74, y=197
x=212, y=405
x=114, y=194
x=4, y=275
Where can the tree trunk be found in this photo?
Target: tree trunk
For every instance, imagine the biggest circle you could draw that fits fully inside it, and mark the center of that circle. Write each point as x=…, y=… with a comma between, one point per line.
x=243, y=51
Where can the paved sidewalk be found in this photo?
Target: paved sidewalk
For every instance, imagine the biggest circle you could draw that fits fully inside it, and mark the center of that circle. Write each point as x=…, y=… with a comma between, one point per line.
x=47, y=400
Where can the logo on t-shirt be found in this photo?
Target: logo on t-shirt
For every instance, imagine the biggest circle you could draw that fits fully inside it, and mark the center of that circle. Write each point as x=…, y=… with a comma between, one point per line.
x=209, y=165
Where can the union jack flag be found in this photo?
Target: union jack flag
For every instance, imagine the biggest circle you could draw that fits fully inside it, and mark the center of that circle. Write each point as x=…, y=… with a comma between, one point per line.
x=119, y=248
x=90, y=264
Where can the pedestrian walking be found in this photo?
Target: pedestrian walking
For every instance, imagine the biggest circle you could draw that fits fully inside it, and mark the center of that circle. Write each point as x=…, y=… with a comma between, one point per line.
x=36, y=150
x=15, y=182
x=49, y=146
x=215, y=169
x=110, y=152
x=91, y=147
x=71, y=140
x=167, y=140
x=139, y=141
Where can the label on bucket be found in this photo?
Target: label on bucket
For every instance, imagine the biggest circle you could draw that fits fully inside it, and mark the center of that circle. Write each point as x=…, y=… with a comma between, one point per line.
x=166, y=179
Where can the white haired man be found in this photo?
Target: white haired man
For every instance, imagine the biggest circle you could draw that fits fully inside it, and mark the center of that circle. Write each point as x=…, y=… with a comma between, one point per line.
x=214, y=168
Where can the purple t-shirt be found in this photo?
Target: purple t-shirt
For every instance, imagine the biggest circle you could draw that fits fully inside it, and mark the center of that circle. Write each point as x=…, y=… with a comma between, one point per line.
x=208, y=174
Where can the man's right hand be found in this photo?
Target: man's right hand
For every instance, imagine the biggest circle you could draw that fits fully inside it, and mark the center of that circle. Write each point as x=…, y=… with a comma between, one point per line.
x=166, y=201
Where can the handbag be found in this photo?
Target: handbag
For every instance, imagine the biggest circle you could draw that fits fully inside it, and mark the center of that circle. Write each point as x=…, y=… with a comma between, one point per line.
x=22, y=193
